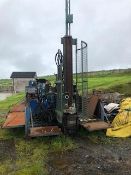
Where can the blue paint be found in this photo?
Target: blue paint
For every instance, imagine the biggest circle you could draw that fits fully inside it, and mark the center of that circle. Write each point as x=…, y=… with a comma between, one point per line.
x=27, y=120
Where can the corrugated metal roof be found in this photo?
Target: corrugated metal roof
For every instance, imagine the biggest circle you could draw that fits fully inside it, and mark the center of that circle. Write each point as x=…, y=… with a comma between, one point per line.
x=23, y=75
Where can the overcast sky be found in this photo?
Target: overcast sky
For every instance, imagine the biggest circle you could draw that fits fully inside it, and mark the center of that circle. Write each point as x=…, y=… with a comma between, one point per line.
x=30, y=32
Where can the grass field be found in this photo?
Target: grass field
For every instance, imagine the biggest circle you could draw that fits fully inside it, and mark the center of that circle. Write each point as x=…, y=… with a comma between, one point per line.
x=6, y=104
x=5, y=82
x=32, y=155
x=119, y=82
x=112, y=82
x=103, y=80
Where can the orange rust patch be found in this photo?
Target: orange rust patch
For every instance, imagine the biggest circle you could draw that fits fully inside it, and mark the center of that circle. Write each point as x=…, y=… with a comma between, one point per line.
x=95, y=126
x=45, y=131
x=14, y=120
x=18, y=108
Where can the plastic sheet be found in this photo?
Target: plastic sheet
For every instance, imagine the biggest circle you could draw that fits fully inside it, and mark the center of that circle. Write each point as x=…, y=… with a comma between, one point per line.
x=121, y=125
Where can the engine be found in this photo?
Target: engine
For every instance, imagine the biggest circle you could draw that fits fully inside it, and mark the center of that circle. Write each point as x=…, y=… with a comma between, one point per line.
x=41, y=100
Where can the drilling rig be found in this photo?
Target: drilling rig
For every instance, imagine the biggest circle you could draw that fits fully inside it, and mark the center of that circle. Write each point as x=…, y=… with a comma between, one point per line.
x=66, y=106
x=53, y=110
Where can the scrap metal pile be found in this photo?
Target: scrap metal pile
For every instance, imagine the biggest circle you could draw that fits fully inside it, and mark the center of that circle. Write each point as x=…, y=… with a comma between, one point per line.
x=102, y=108
x=115, y=112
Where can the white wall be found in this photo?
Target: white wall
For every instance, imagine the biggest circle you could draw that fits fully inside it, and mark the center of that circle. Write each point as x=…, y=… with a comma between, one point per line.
x=20, y=83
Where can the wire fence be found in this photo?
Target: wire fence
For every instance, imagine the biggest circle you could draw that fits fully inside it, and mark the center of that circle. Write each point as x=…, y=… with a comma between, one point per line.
x=82, y=79
x=6, y=88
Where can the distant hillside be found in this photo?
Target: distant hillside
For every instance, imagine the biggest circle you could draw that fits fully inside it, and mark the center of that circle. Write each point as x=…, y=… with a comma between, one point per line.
x=113, y=71
x=113, y=80
x=5, y=82
x=99, y=73
x=120, y=82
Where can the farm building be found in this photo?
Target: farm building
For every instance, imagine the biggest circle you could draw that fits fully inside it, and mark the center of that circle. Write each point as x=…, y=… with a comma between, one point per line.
x=21, y=79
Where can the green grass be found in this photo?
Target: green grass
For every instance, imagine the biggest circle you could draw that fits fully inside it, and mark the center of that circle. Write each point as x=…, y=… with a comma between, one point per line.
x=109, y=81
x=50, y=78
x=62, y=144
x=5, y=82
x=6, y=104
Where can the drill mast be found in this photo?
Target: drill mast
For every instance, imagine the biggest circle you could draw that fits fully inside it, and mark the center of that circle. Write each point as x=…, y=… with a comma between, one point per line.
x=68, y=17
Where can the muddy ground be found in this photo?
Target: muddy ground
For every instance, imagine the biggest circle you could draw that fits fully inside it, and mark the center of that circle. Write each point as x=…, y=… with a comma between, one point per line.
x=93, y=155
x=93, y=158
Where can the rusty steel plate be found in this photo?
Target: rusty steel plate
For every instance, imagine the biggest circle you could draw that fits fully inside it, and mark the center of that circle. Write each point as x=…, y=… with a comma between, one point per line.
x=18, y=108
x=92, y=105
x=95, y=126
x=14, y=120
x=45, y=131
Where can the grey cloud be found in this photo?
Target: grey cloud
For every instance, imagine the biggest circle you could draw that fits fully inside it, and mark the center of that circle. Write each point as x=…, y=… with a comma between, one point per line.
x=30, y=33
x=107, y=32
